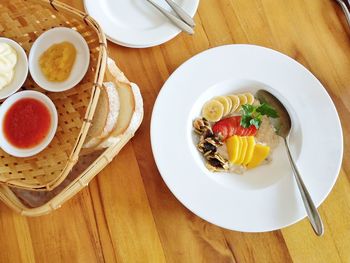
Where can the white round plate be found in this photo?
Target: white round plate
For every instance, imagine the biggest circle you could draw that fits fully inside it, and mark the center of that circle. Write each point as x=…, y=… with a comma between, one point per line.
x=20, y=70
x=45, y=41
x=8, y=147
x=265, y=198
x=136, y=23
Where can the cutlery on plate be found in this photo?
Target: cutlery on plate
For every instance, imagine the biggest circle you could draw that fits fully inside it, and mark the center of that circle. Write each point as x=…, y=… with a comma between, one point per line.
x=182, y=13
x=345, y=9
x=176, y=21
x=284, y=131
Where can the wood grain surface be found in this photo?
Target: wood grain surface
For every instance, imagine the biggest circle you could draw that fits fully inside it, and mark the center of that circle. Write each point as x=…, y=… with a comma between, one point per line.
x=127, y=214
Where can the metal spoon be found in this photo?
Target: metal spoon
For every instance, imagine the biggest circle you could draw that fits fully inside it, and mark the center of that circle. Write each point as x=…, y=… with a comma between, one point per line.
x=283, y=131
x=345, y=9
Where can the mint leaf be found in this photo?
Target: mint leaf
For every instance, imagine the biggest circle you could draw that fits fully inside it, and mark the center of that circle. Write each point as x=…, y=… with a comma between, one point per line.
x=245, y=121
x=256, y=122
x=268, y=110
x=247, y=109
x=252, y=115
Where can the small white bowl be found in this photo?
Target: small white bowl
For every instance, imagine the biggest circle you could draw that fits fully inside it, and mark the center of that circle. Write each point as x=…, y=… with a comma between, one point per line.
x=45, y=41
x=21, y=69
x=18, y=152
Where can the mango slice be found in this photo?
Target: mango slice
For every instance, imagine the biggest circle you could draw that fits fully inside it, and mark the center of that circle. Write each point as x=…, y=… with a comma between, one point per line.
x=243, y=150
x=233, y=145
x=250, y=150
x=240, y=143
x=260, y=154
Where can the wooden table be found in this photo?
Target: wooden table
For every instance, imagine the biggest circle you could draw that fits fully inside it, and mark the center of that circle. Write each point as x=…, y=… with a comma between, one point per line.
x=127, y=214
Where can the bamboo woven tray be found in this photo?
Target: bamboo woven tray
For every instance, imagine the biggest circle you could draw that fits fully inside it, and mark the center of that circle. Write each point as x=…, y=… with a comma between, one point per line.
x=35, y=203
x=24, y=21
x=38, y=199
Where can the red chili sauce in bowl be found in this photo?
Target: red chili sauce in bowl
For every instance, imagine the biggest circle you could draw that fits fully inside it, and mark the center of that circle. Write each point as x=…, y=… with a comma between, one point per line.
x=27, y=123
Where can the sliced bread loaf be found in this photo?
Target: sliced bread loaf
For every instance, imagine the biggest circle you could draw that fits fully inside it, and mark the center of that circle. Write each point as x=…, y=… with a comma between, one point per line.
x=133, y=125
x=99, y=121
x=106, y=115
x=130, y=111
x=127, y=102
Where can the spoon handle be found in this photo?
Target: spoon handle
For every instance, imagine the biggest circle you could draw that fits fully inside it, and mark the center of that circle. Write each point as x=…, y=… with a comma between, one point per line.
x=181, y=13
x=311, y=210
x=176, y=21
x=345, y=9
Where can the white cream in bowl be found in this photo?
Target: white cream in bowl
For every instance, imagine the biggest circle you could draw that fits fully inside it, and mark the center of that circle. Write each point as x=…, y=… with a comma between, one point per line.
x=13, y=67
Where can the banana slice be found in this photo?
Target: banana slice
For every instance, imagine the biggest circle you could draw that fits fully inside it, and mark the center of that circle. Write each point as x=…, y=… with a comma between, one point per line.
x=235, y=102
x=242, y=100
x=213, y=110
x=230, y=104
x=226, y=103
x=250, y=98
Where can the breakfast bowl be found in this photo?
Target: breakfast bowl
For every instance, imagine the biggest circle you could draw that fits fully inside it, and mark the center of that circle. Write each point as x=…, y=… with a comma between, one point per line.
x=13, y=67
x=53, y=44
x=28, y=123
x=256, y=198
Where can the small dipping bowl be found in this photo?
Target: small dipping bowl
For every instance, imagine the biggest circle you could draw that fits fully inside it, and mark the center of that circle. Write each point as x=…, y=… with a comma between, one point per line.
x=6, y=106
x=44, y=42
x=20, y=70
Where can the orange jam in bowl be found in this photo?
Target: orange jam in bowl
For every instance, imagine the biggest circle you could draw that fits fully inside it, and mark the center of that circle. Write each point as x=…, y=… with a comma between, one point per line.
x=57, y=61
x=27, y=123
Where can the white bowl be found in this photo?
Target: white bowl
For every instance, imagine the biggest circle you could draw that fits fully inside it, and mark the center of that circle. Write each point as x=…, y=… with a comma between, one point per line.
x=266, y=198
x=21, y=69
x=55, y=36
x=18, y=152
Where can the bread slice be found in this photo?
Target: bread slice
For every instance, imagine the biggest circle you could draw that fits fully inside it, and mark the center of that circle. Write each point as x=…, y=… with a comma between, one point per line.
x=131, y=108
x=99, y=120
x=114, y=108
x=133, y=125
x=130, y=111
x=106, y=115
x=127, y=102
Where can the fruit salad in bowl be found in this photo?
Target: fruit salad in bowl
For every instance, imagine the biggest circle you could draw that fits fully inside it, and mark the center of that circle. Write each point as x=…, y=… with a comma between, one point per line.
x=236, y=132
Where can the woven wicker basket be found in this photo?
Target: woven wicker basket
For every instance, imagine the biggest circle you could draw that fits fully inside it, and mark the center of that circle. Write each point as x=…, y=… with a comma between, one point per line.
x=31, y=193
x=36, y=203
x=24, y=21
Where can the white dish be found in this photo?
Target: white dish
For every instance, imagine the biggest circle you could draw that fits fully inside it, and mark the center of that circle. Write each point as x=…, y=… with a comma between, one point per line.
x=46, y=40
x=20, y=70
x=265, y=198
x=14, y=151
x=136, y=23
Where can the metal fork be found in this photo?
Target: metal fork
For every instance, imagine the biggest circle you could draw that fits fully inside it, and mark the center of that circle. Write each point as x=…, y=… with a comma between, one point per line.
x=345, y=9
